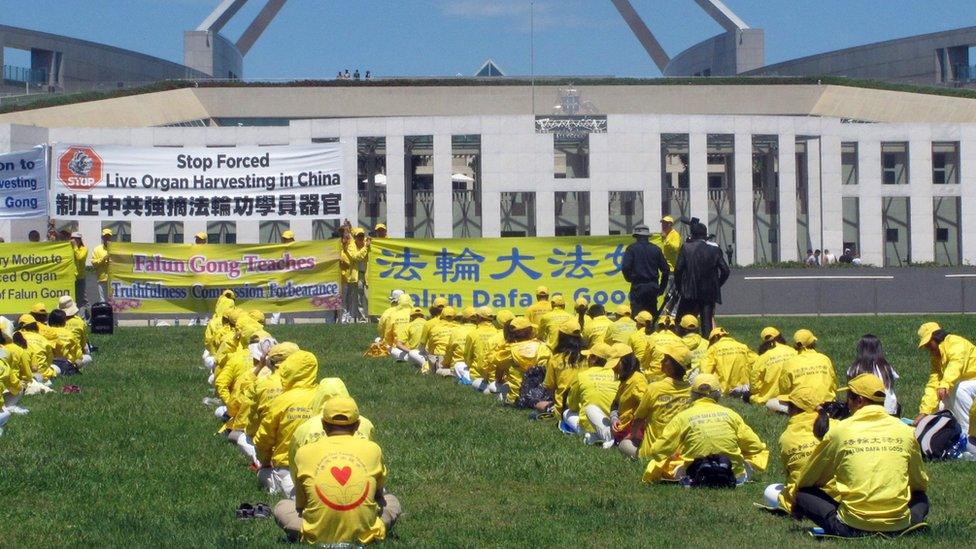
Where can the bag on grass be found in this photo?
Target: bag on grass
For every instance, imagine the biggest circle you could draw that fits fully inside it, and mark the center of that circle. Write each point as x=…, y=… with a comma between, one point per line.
x=939, y=436
x=66, y=366
x=714, y=471
x=532, y=392
x=102, y=318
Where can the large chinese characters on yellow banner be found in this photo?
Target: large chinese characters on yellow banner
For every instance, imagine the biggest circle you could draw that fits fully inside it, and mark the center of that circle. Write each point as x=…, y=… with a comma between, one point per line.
x=500, y=272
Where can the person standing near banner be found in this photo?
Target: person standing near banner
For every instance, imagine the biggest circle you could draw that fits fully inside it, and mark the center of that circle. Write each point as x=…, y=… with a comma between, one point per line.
x=352, y=260
x=287, y=237
x=100, y=261
x=200, y=238
x=81, y=257
x=645, y=267
x=699, y=274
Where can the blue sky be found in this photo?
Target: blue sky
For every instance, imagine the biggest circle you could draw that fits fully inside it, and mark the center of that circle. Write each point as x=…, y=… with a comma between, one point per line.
x=316, y=38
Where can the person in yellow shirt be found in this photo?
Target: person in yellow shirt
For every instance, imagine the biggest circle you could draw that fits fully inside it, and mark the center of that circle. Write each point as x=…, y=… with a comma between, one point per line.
x=596, y=326
x=415, y=328
x=100, y=260
x=19, y=360
x=687, y=330
x=436, y=308
x=397, y=332
x=670, y=241
x=439, y=335
x=550, y=322
x=772, y=356
x=511, y=360
x=242, y=397
x=809, y=368
x=702, y=431
x=478, y=346
x=7, y=374
x=454, y=353
x=542, y=306
x=67, y=345
x=80, y=252
x=564, y=366
x=631, y=391
x=266, y=387
x=340, y=480
x=952, y=381
x=661, y=401
x=39, y=348
x=662, y=339
x=353, y=256
x=581, y=308
x=640, y=339
x=621, y=328
x=730, y=360
x=286, y=412
x=592, y=394
x=76, y=324
x=381, y=324
x=311, y=430
x=287, y=237
x=874, y=464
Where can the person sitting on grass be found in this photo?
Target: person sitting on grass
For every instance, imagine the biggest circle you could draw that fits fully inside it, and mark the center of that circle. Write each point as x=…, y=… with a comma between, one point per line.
x=398, y=332
x=596, y=325
x=874, y=464
x=478, y=344
x=40, y=349
x=663, y=338
x=809, y=368
x=688, y=330
x=454, y=354
x=438, y=336
x=631, y=391
x=871, y=360
x=773, y=354
x=266, y=387
x=565, y=365
x=401, y=350
x=622, y=327
x=661, y=401
x=77, y=325
x=19, y=360
x=550, y=322
x=424, y=354
x=340, y=479
x=730, y=360
x=512, y=360
x=8, y=376
x=706, y=434
x=67, y=346
x=593, y=392
x=640, y=339
x=541, y=306
x=952, y=381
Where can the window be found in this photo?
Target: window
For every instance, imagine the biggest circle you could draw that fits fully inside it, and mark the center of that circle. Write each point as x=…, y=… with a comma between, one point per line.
x=122, y=230
x=572, y=156
x=626, y=211
x=269, y=232
x=848, y=163
x=765, y=201
x=572, y=210
x=168, y=232
x=418, y=169
x=324, y=230
x=466, y=185
x=803, y=240
x=518, y=214
x=721, y=190
x=896, y=223
x=371, y=180
x=852, y=224
x=222, y=232
x=65, y=228
x=894, y=163
x=674, y=176
x=945, y=163
x=947, y=214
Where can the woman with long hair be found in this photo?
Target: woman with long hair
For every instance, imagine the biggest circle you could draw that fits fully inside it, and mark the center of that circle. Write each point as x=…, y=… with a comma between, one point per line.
x=567, y=361
x=871, y=360
x=633, y=384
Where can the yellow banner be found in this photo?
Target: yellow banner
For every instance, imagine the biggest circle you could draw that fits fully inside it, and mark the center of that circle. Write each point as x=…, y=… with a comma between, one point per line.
x=32, y=272
x=500, y=272
x=178, y=278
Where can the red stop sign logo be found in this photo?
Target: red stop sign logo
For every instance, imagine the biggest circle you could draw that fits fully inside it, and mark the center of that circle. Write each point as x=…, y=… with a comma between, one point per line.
x=79, y=168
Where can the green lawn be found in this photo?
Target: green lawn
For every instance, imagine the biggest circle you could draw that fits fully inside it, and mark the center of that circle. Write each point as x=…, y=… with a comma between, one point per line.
x=133, y=460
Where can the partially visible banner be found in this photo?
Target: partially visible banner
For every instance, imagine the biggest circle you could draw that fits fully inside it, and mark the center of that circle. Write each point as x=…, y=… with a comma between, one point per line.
x=34, y=272
x=23, y=184
x=500, y=272
x=112, y=182
x=181, y=278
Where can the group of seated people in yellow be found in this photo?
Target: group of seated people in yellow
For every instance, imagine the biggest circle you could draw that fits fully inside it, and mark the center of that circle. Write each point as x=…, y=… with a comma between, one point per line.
x=652, y=388
x=306, y=439
x=37, y=349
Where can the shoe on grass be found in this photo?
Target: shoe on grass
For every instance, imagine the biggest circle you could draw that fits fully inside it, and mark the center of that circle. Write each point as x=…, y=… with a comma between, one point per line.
x=18, y=410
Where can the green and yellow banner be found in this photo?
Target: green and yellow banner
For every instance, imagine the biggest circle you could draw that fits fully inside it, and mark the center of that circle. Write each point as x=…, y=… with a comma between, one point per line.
x=35, y=272
x=500, y=272
x=180, y=278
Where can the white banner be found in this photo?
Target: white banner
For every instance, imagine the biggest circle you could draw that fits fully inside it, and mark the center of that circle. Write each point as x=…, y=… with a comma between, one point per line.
x=23, y=184
x=112, y=182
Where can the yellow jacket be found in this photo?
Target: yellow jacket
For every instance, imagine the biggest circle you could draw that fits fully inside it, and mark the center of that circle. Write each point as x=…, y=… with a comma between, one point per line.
x=703, y=429
x=796, y=445
x=698, y=346
x=100, y=262
x=478, y=346
x=311, y=429
x=956, y=362
x=809, y=369
x=765, y=373
x=41, y=354
x=549, y=325
x=535, y=311
x=662, y=400
x=670, y=246
x=629, y=396
x=382, y=322
x=875, y=464
x=398, y=324
x=560, y=376
x=439, y=336
x=620, y=330
x=81, y=257
x=595, y=329
x=641, y=342
x=455, y=345
x=265, y=390
x=20, y=362
x=80, y=329
x=730, y=361
x=651, y=365
x=350, y=258
x=414, y=330
x=8, y=375
x=596, y=385
x=288, y=410
x=510, y=361
x=66, y=344
x=243, y=395
x=225, y=382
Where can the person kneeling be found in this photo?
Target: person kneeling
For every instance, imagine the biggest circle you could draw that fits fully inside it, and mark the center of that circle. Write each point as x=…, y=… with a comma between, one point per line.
x=874, y=465
x=339, y=495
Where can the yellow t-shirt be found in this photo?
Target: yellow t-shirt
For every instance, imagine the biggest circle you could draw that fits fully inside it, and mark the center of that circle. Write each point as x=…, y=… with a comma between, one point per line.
x=730, y=361
x=20, y=362
x=670, y=246
x=651, y=365
x=796, y=445
x=478, y=346
x=455, y=346
x=595, y=329
x=439, y=336
x=809, y=369
x=596, y=385
x=80, y=328
x=698, y=346
x=549, y=325
x=560, y=376
x=535, y=311
x=641, y=341
x=100, y=262
x=662, y=400
x=514, y=359
x=312, y=430
x=629, y=397
x=764, y=376
x=80, y=256
x=414, y=330
x=620, y=330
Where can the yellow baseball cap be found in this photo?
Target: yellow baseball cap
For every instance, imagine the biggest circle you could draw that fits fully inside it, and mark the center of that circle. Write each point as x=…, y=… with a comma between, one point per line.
x=106, y=232
x=288, y=234
x=619, y=350
x=39, y=308
x=542, y=290
x=868, y=386
x=667, y=219
x=680, y=353
x=379, y=227
x=558, y=300
x=417, y=311
x=486, y=311
x=706, y=383
x=623, y=309
x=804, y=337
x=26, y=320
x=582, y=302
x=440, y=302
x=504, y=316
x=643, y=318
x=340, y=410
x=689, y=322
x=601, y=350
x=665, y=321
x=925, y=332
x=769, y=333
x=358, y=231
x=447, y=312
x=570, y=327
x=200, y=236
x=468, y=312
x=804, y=398
x=256, y=315
x=717, y=331
x=521, y=323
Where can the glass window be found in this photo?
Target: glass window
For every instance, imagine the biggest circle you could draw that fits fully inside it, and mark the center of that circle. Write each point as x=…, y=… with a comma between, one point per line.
x=572, y=211
x=572, y=156
x=852, y=224
x=765, y=197
x=222, y=232
x=848, y=163
x=64, y=229
x=894, y=163
x=325, y=229
x=418, y=168
x=675, y=177
x=121, y=229
x=269, y=232
x=518, y=214
x=626, y=211
x=803, y=241
x=948, y=245
x=945, y=163
x=371, y=177
x=721, y=191
x=896, y=223
x=168, y=232
x=466, y=185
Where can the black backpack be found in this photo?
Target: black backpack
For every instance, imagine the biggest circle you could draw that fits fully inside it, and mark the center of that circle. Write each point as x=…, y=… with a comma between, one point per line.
x=714, y=471
x=532, y=391
x=939, y=436
x=102, y=318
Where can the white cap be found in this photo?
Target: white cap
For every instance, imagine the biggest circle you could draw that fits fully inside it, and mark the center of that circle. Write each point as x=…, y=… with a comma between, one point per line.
x=76, y=234
x=395, y=295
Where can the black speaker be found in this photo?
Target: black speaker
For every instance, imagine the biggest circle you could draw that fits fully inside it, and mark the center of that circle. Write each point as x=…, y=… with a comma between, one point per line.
x=102, y=318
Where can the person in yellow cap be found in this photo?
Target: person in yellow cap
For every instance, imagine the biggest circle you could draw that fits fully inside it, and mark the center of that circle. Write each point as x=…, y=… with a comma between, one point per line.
x=381, y=323
x=311, y=430
x=565, y=365
x=478, y=346
x=633, y=385
x=874, y=465
x=398, y=332
x=439, y=335
x=641, y=338
x=661, y=340
x=687, y=330
x=549, y=323
x=39, y=348
x=353, y=258
x=402, y=349
x=512, y=360
x=796, y=445
x=771, y=358
x=454, y=354
x=436, y=308
x=380, y=230
x=67, y=344
x=541, y=306
x=592, y=394
x=200, y=238
x=266, y=387
x=286, y=412
x=287, y=237
x=730, y=360
x=18, y=358
x=952, y=378
x=621, y=329
x=8, y=376
x=701, y=432
x=662, y=400
x=670, y=241
x=100, y=261
x=80, y=253
x=581, y=309
x=809, y=368
x=646, y=269
x=596, y=326
x=339, y=481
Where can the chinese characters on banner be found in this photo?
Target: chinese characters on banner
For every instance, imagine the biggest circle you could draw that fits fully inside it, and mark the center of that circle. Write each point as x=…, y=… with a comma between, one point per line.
x=35, y=272
x=179, y=278
x=500, y=272
x=112, y=182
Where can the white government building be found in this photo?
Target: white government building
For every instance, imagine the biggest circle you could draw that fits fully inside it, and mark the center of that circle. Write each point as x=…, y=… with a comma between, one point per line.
x=776, y=169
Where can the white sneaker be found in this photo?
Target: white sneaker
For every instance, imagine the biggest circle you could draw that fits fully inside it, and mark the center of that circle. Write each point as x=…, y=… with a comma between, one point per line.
x=591, y=439
x=19, y=410
x=608, y=444
x=211, y=401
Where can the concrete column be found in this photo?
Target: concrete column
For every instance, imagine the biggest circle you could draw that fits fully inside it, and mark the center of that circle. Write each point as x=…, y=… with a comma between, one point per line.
x=491, y=214
x=443, y=197
x=396, y=198
x=302, y=229
x=745, y=251
x=192, y=226
x=248, y=232
x=869, y=181
x=967, y=156
x=599, y=211
x=350, y=178
x=545, y=216
x=814, y=196
x=831, y=201
x=143, y=231
x=922, y=233
x=698, y=180
x=652, y=180
x=787, y=197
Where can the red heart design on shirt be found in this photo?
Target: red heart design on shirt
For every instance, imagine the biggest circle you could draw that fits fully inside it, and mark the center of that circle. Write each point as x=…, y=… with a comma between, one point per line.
x=342, y=475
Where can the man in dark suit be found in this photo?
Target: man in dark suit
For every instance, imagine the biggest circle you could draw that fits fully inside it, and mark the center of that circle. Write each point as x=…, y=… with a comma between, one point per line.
x=699, y=274
x=647, y=271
